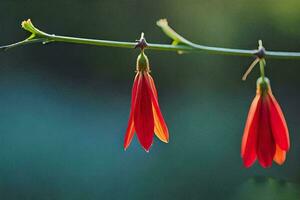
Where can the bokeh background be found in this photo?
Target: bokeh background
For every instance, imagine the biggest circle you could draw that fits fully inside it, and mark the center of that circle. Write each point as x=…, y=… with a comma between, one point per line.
x=64, y=107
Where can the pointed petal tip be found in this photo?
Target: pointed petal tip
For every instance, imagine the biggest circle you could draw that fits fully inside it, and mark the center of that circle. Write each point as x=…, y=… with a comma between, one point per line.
x=248, y=161
x=167, y=141
x=161, y=135
x=280, y=156
x=281, y=162
x=164, y=140
x=125, y=146
x=147, y=150
x=247, y=164
x=266, y=166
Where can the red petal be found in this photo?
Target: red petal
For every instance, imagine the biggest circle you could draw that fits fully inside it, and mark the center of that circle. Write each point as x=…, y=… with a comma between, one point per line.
x=248, y=150
x=130, y=128
x=152, y=85
x=278, y=124
x=160, y=127
x=265, y=142
x=143, y=114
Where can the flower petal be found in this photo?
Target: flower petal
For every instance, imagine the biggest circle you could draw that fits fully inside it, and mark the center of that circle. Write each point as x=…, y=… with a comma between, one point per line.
x=248, y=149
x=280, y=155
x=130, y=128
x=143, y=114
x=160, y=127
x=278, y=123
x=265, y=141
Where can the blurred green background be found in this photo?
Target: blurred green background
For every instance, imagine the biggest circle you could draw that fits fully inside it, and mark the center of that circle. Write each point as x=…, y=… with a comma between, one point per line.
x=64, y=107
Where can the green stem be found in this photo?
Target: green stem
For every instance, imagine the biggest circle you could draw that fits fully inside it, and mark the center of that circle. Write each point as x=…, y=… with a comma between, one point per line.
x=262, y=64
x=180, y=44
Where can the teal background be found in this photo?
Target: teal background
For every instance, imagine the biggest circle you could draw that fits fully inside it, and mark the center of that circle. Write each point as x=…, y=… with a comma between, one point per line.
x=64, y=107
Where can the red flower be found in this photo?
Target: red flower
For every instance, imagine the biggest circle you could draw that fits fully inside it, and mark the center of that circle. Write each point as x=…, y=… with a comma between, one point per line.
x=145, y=116
x=266, y=135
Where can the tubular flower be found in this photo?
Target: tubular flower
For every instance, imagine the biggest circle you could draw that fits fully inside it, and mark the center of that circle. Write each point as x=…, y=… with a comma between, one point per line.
x=266, y=136
x=145, y=116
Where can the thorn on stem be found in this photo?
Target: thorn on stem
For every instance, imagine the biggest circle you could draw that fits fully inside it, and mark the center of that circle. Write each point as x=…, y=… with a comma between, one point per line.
x=141, y=43
x=261, y=52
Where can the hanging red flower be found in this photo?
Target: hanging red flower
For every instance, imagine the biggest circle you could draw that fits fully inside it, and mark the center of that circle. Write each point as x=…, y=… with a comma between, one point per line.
x=266, y=136
x=145, y=116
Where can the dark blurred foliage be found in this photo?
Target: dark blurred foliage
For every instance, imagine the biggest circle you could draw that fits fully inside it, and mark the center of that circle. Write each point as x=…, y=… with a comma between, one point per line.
x=64, y=107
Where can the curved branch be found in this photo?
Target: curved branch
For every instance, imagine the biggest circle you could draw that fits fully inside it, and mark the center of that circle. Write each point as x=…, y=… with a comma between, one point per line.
x=180, y=44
